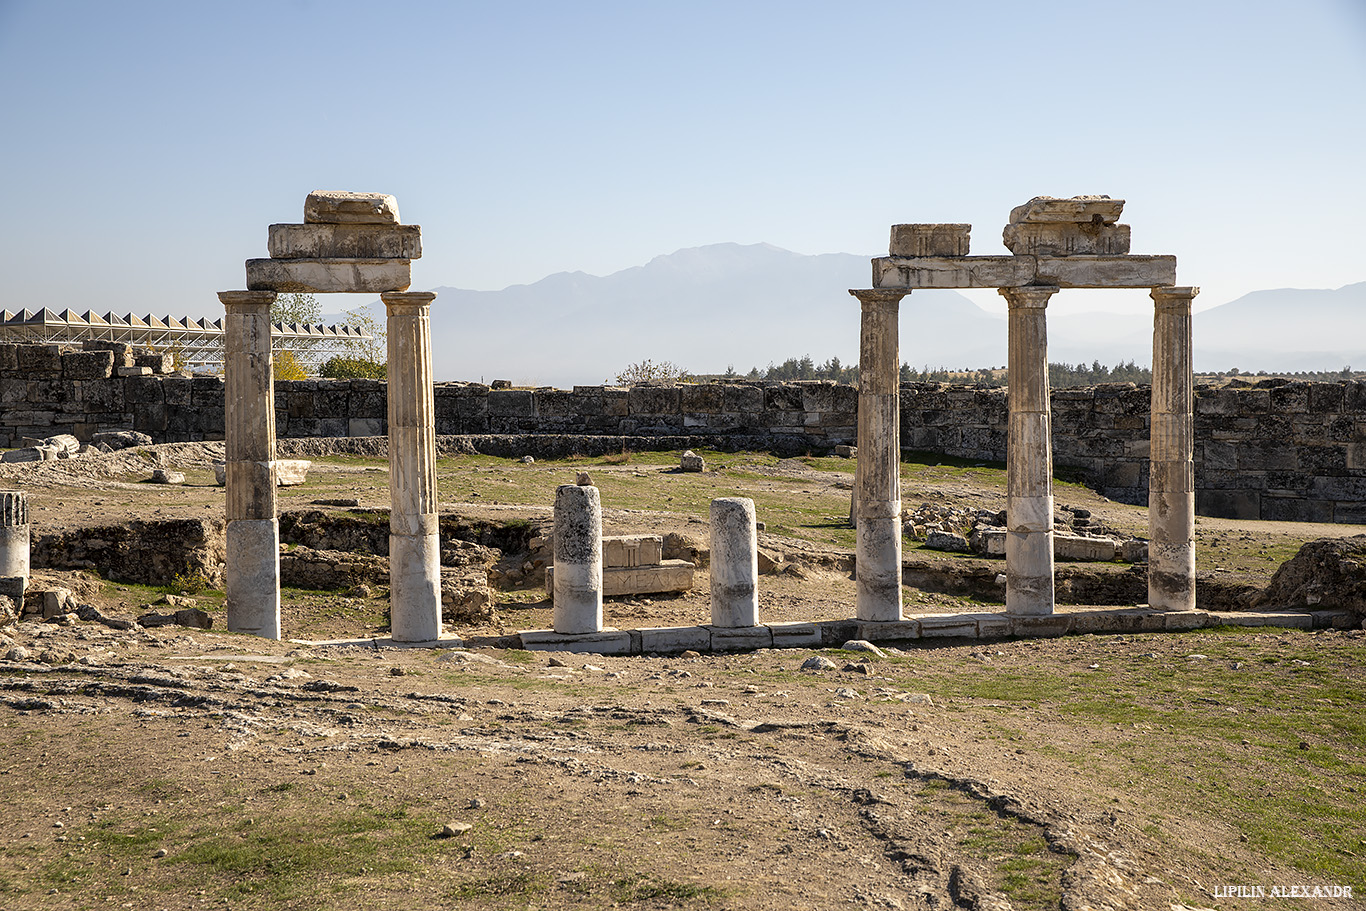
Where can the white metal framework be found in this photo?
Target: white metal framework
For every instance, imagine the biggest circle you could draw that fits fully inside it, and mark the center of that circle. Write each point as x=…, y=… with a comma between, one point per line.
x=197, y=343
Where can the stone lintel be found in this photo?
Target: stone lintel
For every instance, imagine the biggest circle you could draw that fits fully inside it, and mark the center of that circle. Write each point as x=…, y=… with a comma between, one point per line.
x=912, y=273
x=329, y=276
x=339, y=207
x=1079, y=271
x=930, y=240
x=1074, y=210
x=1106, y=271
x=344, y=241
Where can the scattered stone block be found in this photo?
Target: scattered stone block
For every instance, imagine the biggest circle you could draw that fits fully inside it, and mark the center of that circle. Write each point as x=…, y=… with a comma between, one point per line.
x=947, y=541
x=291, y=472
x=863, y=645
x=165, y=476
x=337, y=207
x=1074, y=547
x=121, y=439
x=1072, y=210
x=692, y=462
x=191, y=617
x=58, y=602
x=930, y=240
x=1135, y=550
x=845, y=451
x=345, y=241
x=328, y=276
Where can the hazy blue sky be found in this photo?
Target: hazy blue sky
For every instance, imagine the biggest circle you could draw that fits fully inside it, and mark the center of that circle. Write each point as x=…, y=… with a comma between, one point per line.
x=147, y=145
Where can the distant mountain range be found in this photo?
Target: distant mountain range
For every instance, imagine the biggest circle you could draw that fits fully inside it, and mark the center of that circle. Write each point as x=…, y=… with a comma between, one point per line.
x=707, y=308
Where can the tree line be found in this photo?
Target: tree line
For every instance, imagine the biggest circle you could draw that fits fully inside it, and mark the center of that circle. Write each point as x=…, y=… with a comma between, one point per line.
x=1059, y=375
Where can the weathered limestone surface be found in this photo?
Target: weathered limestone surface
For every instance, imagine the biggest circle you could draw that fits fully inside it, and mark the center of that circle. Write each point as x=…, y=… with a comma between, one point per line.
x=1061, y=239
x=328, y=276
x=734, y=563
x=653, y=578
x=14, y=536
x=253, y=564
x=1029, y=456
x=877, y=477
x=930, y=240
x=1171, y=486
x=1072, y=271
x=336, y=207
x=631, y=550
x=345, y=241
x=1074, y=210
x=414, y=539
x=253, y=577
x=578, y=560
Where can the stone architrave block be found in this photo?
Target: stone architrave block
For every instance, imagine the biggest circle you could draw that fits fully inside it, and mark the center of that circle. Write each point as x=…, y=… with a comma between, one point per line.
x=795, y=634
x=930, y=240
x=345, y=242
x=1073, y=210
x=1106, y=271
x=1054, y=239
x=740, y=638
x=674, y=639
x=159, y=364
x=606, y=642
x=631, y=550
x=896, y=272
x=337, y=207
x=329, y=276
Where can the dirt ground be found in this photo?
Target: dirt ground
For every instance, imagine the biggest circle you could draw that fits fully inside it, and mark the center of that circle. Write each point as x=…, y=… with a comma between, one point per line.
x=173, y=768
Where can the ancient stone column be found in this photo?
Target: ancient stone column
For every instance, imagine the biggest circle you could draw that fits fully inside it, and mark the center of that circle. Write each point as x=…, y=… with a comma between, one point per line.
x=734, y=563
x=578, y=560
x=253, y=534
x=877, y=476
x=414, y=538
x=14, y=543
x=1029, y=456
x=1171, y=482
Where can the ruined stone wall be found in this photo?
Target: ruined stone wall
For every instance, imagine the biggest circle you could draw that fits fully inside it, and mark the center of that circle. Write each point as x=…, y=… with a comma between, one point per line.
x=1271, y=449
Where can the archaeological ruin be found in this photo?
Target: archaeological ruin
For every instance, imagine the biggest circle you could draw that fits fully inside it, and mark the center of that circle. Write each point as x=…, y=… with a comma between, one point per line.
x=1054, y=244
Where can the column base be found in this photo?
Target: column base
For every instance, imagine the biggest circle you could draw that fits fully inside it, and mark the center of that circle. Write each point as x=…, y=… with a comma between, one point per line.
x=577, y=609
x=1029, y=573
x=253, y=577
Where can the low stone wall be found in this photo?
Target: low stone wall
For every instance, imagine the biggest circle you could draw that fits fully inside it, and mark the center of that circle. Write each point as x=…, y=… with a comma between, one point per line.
x=1272, y=449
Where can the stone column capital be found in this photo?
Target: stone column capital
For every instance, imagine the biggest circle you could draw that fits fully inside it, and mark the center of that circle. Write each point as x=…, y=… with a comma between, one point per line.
x=247, y=300
x=1029, y=297
x=1173, y=296
x=878, y=296
x=398, y=301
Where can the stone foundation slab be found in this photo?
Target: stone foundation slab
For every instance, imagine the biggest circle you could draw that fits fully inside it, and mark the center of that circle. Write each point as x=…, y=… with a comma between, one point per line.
x=606, y=642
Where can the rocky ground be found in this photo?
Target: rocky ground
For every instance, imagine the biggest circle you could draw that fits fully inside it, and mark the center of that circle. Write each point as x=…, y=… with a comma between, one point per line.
x=179, y=768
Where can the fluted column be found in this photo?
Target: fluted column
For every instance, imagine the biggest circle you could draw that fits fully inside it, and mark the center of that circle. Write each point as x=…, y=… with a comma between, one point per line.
x=253, y=532
x=1029, y=456
x=1171, y=482
x=14, y=543
x=877, y=476
x=414, y=538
